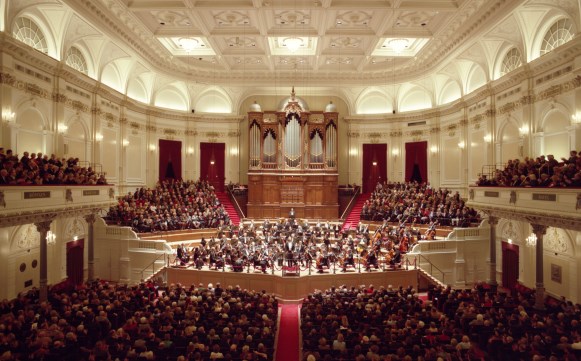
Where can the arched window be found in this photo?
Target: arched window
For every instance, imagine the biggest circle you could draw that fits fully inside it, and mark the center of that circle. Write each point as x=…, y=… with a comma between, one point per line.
x=560, y=33
x=511, y=61
x=76, y=60
x=30, y=34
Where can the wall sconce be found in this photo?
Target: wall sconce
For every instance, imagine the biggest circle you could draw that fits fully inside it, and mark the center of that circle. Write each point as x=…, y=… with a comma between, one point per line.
x=488, y=138
x=8, y=116
x=152, y=148
x=190, y=151
x=234, y=151
x=531, y=241
x=395, y=152
x=374, y=163
x=125, y=142
x=61, y=128
x=576, y=118
x=212, y=162
x=353, y=152
x=523, y=130
x=98, y=137
x=461, y=145
x=433, y=149
x=50, y=238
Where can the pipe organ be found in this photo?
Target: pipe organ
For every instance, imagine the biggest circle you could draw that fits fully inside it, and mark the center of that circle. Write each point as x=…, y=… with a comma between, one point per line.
x=293, y=161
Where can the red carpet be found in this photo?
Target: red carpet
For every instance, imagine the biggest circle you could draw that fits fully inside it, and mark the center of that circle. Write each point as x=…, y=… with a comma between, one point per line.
x=229, y=207
x=354, y=216
x=287, y=347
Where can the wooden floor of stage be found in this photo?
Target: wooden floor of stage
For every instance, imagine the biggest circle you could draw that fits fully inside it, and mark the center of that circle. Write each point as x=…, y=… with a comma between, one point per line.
x=292, y=286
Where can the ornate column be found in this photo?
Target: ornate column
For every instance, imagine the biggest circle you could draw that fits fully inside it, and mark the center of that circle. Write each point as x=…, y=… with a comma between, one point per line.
x=43, y=228
x=539, y=231
x=91, y=246
x=492, y=221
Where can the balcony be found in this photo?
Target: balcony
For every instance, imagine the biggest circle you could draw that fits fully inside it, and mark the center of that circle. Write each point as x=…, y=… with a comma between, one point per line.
x=554, y=207
x=28, y=204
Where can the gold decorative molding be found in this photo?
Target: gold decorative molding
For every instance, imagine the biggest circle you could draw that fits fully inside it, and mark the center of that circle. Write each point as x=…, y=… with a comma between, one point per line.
x=353, y=134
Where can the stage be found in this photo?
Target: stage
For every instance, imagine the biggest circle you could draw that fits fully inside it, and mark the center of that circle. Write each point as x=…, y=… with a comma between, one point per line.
x=293, y=286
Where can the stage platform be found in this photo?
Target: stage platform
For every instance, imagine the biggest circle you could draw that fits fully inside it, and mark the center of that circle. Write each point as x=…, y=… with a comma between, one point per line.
x=293, y=287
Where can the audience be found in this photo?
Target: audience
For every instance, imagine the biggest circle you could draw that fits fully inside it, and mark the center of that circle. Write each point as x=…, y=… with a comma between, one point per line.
x=538, y=172
x=171, y=205
x=364, y=323
x=107, y=322
x=39, y=169
x=413, y=202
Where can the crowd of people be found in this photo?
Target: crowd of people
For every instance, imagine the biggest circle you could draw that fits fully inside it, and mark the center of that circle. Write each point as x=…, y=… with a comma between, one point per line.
x=418, y=203
x=368, y=324
x=171, y=205
x=107, y=322
x=537, y=172
x=42, y=169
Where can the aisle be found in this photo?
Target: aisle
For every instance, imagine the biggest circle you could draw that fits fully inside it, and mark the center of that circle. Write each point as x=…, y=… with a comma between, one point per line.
x=287, y=347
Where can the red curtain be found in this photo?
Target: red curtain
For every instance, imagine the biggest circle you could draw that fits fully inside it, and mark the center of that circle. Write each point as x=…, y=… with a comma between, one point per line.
x=416, y=161
x=374, y=166
x=212, y=157
x=170, y=159
x=510, y=261
x=75, y=261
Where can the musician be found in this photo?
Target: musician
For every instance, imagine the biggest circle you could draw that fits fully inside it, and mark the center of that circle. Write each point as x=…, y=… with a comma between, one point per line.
x=291, y=214
x=371, y=260
x=180, y=255
x=290, y=258
x=348, y=260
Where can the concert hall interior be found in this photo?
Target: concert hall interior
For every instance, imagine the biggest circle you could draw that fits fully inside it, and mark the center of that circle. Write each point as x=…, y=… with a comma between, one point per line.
x=290, y=180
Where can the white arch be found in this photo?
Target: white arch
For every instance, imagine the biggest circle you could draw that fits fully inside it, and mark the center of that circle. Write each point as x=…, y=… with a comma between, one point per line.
x=547, y=22
x=52, y=49
x=220, y=101
x=364, y=104
x=170, y=97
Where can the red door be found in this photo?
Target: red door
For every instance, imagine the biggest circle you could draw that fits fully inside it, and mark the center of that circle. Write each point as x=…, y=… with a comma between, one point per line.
x=212, y=156
x=75, y=261
x=374, y=166
x=509, y=265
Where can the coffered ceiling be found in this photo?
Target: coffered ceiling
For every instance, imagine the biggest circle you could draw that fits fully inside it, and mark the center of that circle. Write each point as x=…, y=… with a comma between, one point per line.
x=253, y=38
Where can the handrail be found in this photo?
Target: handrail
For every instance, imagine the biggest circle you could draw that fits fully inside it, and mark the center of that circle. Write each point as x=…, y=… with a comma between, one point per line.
x=152, y=264
x=351, y=203
x=432, y=266
x=232, y=198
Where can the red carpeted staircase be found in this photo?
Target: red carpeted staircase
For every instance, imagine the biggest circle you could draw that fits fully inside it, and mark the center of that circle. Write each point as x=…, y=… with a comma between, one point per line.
x=229, y=207
x=287, y=346
x=354, y=216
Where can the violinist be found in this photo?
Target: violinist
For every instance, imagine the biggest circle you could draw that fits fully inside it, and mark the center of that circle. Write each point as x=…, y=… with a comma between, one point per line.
x=371, y=260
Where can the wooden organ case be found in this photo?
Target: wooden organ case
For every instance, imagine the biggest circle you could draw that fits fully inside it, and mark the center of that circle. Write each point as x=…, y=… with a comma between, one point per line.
x=293, y=162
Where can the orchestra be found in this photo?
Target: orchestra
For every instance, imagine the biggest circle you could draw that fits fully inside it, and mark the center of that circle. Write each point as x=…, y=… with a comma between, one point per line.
x=291, y=243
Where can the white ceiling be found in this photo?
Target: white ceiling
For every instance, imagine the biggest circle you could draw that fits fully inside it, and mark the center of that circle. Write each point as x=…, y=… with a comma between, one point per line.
x=340, y=36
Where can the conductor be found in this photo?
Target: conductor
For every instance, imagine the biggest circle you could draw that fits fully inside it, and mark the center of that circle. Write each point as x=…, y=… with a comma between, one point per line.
x=291, y=214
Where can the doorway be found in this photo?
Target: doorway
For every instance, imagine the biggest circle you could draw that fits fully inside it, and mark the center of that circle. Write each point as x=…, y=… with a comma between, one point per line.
x=374, y=166
x=212, y=159
x=510, y=260
x=75, y=261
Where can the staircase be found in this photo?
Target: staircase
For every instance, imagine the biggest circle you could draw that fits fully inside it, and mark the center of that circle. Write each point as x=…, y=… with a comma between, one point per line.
x=229, y=207
x=354, y=216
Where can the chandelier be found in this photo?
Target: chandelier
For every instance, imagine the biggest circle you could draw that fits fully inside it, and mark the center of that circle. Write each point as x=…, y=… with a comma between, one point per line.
x=189, y=44
x=531, y=241
x=292, y=44
x=398, y=45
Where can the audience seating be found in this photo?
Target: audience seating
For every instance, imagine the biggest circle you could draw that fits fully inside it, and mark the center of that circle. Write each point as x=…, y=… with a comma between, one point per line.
x=412, y=202
x=112, y=322
x=39, y=169
x=171, y=205
x=477, y=324
x=537, y=172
